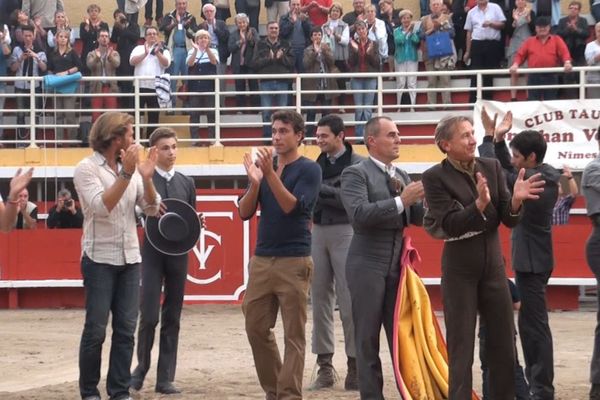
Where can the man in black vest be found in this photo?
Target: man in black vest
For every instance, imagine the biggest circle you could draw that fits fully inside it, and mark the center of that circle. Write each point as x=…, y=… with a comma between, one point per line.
x=158, y=268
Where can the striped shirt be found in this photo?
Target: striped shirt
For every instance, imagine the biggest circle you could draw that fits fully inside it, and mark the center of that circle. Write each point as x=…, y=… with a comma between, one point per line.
x=562, y=208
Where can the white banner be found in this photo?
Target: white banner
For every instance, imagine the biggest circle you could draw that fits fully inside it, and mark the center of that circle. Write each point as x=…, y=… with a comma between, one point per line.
x=569, y=127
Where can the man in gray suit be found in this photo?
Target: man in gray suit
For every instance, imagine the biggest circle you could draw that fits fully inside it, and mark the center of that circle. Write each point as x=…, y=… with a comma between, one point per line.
x=380, y=201
x=331, y=235
x=532, y=255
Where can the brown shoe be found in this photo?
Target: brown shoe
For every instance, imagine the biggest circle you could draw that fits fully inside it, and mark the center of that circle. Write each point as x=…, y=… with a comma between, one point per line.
x=351, y=382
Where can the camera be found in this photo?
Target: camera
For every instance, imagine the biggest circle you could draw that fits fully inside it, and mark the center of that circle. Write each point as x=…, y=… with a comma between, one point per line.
x=69, y=203
x=158, y=47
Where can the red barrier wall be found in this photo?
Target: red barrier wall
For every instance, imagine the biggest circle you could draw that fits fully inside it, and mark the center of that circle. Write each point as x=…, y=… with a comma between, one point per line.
x=218, y=264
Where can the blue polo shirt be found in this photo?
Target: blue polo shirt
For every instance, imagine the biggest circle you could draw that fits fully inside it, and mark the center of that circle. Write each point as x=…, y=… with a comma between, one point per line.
x=288, y=235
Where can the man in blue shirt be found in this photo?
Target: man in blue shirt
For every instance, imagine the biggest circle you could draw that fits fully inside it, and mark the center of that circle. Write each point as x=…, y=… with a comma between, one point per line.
x=286, y=185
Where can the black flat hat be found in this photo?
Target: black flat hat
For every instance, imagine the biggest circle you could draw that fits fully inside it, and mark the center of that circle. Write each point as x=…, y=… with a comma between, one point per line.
x=175, y=232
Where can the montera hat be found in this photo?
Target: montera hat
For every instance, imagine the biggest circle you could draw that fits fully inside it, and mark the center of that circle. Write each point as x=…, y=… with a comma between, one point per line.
x=175, y=232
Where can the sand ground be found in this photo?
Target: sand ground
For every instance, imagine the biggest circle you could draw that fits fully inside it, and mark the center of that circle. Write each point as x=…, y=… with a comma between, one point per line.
x=38, y=356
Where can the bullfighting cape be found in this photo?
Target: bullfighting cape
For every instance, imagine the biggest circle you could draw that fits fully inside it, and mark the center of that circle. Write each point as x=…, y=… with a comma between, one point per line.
x=420, y=356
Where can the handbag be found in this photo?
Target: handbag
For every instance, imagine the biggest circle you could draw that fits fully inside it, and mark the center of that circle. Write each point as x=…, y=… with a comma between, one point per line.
x=439, y=45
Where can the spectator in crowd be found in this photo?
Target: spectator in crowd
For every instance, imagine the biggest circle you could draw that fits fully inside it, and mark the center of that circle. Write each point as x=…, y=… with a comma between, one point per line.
x=125, y=35
x=565, y=201
x=380, y=201
x=574, y=30
x=88, y=32
x=103, y=61
x=223, y=9
x=150, y=59
x=63, y=60
x=295, y=27
x=7, y=8
x=276, y=9
x=20, y=20
x=433, y=23
x=318, y=59
x=27, y=212
x=219, y=39
x=531, y=243
x=521, y=29
x=202, y=60
x=60, y=22
x=26, y=60
x=10, y=208
x=459, y=9
x=592, y=57
x=336, y=34
x=281, y=267
x=5, y=51
x=110, y=183
x=548, y=8
x=542, y=51
x=317, y=10
x=356, y=14
x=590, y=186
x=485, y=50
x=252, y=10
x=159, y=268
x=407, y=40
x=132, y=9
x=242, y=42
x=332, y=234
x=272, y=56
x=44, y=9
x=391, y=19
x=364, y=57
x=65, y=213
x=148, y=13
x=377, y=32
x=595, y=9
x=179, y=27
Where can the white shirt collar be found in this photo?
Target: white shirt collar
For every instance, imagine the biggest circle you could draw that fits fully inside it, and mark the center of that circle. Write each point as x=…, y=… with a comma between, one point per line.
x=166, y=174
x=388, y=169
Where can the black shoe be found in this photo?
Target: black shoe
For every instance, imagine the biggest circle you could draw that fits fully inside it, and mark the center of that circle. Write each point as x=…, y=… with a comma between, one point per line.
x=325, y=378
x=166, y=388
x=136, y=382
x=351, y=382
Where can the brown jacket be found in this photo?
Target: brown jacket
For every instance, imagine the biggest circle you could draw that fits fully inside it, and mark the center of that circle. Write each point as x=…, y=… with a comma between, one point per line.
x=94, y=63
x=313, y=66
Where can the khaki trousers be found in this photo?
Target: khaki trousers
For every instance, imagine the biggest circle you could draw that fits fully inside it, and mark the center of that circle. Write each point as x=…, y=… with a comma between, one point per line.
x=278, y=283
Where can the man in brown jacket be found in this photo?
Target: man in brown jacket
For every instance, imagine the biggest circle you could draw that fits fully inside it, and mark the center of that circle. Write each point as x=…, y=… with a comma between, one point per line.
x=467, y=199
x=103, y=62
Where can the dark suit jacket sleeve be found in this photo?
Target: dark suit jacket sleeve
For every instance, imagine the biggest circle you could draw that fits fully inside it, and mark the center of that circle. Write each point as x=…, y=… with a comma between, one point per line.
x=416, y=210
x=361, y=211
x=330, y=195
x=486, y=148
x=504, y=204
x=503, y=155
x=454, y=221
x=192, y=199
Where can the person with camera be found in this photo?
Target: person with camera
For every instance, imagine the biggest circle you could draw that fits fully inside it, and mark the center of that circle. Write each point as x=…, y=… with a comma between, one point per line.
x=103, y=61
x=64, y=214
x=150, y=59
x=179, y=27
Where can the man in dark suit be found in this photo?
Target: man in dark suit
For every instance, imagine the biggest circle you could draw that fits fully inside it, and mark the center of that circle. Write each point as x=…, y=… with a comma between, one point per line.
x=532, y=256
x=158, y=268
x=467, y=199
x=380, y=201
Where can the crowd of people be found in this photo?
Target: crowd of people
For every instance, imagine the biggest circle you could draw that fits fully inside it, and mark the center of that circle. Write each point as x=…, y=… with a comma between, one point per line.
x=316, y=36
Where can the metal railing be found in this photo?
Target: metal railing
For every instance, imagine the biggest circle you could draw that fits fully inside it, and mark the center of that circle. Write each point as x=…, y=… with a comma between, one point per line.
x=41, y=117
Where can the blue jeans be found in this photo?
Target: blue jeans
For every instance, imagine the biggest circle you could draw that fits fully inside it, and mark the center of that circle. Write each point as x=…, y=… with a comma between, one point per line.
x=363, y=99
x=115, y=289
x=272, y=101
x=178, y=66
x=542, y=94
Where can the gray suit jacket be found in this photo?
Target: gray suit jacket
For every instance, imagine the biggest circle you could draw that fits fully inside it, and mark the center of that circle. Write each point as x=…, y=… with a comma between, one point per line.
x=371, y=208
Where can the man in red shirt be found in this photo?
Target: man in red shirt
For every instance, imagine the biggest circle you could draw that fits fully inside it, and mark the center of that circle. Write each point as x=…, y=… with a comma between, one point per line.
x=317, y=10
x=543, y=51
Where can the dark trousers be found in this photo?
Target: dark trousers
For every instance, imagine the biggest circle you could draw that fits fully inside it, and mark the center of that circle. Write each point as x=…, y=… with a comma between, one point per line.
x=148, y=99
x=241, y=6
x=252, y=85
x=113, y=289
x=202, y=101
x=159, y=9
x=342, y=65
x=592, y=254
x=536, y=337
x=373, y=296
x=311, y=112
x=521, y=387
x=485, y=54
x=542, y=94
x=23, y=103
x=126, y=100
x=465, y=292
x=156, y=269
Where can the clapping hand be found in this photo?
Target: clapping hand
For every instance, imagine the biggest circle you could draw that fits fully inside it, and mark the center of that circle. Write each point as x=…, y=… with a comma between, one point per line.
x=527, y=189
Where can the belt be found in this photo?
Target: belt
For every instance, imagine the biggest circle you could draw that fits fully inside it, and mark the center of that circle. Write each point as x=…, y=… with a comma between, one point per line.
x=180, y=46
x=595, y=220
